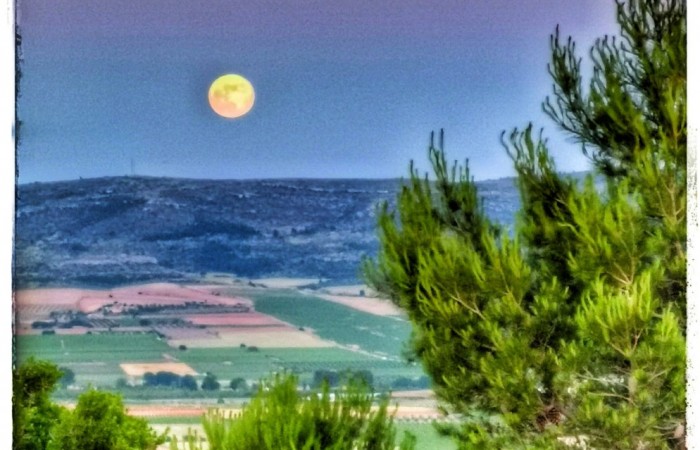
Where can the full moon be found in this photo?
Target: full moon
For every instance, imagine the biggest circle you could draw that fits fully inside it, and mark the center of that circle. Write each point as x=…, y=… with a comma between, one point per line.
x=231, y=96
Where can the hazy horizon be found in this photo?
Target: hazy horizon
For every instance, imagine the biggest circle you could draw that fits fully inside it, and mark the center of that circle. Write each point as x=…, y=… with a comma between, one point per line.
x=290, y=178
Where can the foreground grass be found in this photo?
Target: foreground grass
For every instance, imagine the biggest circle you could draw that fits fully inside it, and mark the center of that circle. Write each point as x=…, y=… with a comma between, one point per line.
x=428, y=438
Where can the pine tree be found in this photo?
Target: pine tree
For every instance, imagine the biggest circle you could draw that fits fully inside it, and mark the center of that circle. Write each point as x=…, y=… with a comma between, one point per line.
x=572, y=326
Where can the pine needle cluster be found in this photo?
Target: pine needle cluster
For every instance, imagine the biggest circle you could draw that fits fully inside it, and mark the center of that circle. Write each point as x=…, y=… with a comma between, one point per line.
x=571, y=328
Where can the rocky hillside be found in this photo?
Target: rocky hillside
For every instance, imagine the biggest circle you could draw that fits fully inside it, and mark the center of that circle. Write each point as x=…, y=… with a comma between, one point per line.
x=112, y=231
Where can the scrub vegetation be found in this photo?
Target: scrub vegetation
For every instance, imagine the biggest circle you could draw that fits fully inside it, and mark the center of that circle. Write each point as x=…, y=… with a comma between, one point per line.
x=279, y=417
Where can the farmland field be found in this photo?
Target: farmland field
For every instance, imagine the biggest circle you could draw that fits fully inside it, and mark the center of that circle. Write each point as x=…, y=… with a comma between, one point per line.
x=335, y=322
x=64, y=349
x=94, y=358
x=260, y=336
x=230, y=363
x=234, y=331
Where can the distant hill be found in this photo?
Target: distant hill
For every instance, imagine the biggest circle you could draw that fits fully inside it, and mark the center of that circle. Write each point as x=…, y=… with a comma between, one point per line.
x=111, y=231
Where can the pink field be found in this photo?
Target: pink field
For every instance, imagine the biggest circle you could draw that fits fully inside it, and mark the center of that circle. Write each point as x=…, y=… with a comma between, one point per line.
x=366, y=304
x=165, y=411
x=234, y=319
x=138, y=369
x=26, y=314
x=35, y=304
x=263, y=337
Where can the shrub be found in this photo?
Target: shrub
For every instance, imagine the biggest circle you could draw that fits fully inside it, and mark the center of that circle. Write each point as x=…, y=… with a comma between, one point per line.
x=99, y=422
x=210, y=383
x=280, y=418
x=67, y=378
x=189, y=382
x=34, y=416
x=238, y=383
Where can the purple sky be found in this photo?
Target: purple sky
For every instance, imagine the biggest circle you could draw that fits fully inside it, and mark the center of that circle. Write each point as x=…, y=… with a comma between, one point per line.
x=343, y=89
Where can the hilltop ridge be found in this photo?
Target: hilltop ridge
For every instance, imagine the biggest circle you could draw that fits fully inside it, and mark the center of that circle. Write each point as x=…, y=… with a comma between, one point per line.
x=105, y=232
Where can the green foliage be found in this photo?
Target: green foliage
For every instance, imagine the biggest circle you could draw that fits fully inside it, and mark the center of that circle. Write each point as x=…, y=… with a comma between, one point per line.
x=165, y=379
x=33, y=414
x=99, y=422
x=280, y=418
x=210, y=382
x=188, y=382
x=575, y=324
x=334, y=378
x=121, y=383
x=238, y=383
x=68, y=376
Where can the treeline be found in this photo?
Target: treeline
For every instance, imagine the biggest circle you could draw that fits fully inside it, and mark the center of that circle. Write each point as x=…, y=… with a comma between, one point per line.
x=336, y=378
x=170, y=379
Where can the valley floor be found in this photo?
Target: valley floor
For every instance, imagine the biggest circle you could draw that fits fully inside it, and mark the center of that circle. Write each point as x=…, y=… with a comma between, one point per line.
x=225, y=326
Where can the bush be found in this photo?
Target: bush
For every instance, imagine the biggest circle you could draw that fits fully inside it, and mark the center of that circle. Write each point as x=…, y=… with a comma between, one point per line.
x=322, y=376
x=279, y=418
x=67, y=378
x=188, y=382
x=238, y=383
x=34, y=416
x=99, y=422
x=210, y=383
x=411, y=383
x=38, y=324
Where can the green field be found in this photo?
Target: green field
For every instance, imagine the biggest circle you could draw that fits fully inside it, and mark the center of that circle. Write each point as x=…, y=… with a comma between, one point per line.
x=92, y=348
x=94, y=358
x=339, y=323
x=228, y=363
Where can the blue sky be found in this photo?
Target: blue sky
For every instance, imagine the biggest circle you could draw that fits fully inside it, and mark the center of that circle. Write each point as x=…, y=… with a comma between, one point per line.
x=344, y=89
